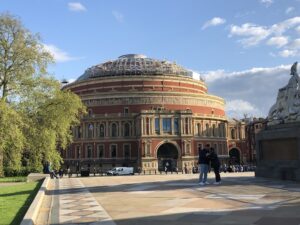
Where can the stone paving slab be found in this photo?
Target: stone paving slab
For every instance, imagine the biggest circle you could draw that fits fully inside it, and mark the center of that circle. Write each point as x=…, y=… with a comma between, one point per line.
x=76, y=205
x=241, y=199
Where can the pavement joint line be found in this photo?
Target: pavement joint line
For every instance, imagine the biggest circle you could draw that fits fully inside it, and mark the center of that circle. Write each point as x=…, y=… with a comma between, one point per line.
x=85, y=208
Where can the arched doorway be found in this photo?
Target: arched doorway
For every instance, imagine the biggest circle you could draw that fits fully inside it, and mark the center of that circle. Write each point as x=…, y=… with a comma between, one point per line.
x=167, y=155
x=235, y=156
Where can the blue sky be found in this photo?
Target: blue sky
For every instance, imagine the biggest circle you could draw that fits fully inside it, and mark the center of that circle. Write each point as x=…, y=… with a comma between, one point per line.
x=243, y=48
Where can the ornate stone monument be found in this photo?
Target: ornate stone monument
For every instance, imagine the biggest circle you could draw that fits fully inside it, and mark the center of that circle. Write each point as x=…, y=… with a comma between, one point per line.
x=278, y=146
x=287, y=106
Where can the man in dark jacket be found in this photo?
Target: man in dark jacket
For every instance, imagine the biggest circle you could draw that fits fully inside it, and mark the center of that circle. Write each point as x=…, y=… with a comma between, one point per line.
x=215, y=164
x=203, y=165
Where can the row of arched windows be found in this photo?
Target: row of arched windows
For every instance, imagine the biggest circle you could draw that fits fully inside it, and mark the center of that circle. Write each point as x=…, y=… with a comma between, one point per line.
x=210, y=131
x=101, y=152
x=92, y=130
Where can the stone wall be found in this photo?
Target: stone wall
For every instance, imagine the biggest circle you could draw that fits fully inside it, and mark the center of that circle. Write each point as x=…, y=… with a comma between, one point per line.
x=278, y=152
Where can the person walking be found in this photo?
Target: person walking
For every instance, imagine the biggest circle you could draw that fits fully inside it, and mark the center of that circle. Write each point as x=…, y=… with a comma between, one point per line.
x=215, y=164
x=203, y=164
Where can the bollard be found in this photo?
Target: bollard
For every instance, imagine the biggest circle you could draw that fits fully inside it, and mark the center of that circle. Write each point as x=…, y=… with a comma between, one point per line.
x=144, y=172
x=155, y=172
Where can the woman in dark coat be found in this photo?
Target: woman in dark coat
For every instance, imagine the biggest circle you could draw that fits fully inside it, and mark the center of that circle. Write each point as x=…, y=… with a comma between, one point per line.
x=215, y=164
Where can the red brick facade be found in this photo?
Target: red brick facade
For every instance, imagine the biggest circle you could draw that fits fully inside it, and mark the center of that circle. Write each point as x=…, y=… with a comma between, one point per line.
x=145, y=121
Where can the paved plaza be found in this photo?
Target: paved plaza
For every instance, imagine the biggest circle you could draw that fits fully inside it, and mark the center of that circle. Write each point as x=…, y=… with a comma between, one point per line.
x=171, y=199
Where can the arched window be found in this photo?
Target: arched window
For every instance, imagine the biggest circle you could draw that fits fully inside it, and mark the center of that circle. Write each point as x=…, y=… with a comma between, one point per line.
x=90, y=130
x=126, y=130
x=232, y=134
x=126, y=149
x=214, y=130
x=78, y=152
x=89, y=151
x=114, y=130
x=102, y=130
x=186, y=125
x=100, y=151
x=220, y=131
x=113, y=151
x=199, y=129
x=207, y=129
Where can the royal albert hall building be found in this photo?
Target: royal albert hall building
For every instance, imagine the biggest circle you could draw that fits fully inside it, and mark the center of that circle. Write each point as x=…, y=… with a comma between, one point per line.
x=146, y=113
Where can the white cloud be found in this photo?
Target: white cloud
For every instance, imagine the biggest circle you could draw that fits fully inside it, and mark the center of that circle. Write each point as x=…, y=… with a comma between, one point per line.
x=254, y=90
x=237, y=108
x=213, y=22
x=118, y=16
x=76, y=6
x=288, y=53
x=289, y=10
x=267, y=3
x=278, y=41
x=297, y=29
x=58, y=54
x=254, y=34
x=291, y=50
x=285, y=25
x=295, y=44
x=71, y=80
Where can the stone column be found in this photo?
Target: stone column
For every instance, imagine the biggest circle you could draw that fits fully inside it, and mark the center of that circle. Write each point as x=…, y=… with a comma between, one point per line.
x=142, y=125
x=172, y=125
x=95, y=129
x=83, y=130
x=153, y=125
x=160, y=125
x=106, y=129
x=120, y=129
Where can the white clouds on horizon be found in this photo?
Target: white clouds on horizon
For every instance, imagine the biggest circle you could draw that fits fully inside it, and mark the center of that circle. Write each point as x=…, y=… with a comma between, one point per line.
x=213, y=22
x=76, y=7
x=237, y=108
x=58, y=54
x=251, y=91
x=118, y=16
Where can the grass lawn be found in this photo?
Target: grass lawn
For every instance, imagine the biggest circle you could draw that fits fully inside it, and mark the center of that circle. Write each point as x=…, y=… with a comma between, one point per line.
x=13, y=179
x=15, y=200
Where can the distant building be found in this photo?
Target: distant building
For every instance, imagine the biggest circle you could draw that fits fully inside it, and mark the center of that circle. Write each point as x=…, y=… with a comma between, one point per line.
x=237, y=144
x=149, y=114
x=253, y=127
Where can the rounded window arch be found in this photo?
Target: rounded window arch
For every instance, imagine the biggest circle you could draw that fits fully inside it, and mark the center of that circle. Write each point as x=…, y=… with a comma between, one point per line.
x=126, y=130
x=232, y=133
x=220, y=130
x=207, y=129
x=101, y=130
x=199, y=129
x=90, y=130
x=114, y=130
x=214, y=130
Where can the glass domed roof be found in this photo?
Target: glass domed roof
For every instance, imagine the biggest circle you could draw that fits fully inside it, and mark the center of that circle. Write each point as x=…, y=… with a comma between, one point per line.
x=134, y=64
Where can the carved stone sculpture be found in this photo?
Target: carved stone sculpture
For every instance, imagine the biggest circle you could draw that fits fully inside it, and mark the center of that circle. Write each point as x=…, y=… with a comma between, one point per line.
x=287, y=106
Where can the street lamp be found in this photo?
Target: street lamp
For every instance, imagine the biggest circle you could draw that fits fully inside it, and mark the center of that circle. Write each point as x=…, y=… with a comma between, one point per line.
x=64, y=82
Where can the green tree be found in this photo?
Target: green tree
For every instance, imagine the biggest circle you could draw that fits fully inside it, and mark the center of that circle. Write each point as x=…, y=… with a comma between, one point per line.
x=35, y=114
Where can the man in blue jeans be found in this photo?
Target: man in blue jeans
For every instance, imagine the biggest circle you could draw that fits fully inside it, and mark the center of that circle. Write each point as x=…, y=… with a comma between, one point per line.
x=203, y=164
